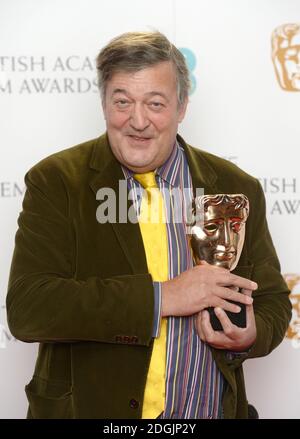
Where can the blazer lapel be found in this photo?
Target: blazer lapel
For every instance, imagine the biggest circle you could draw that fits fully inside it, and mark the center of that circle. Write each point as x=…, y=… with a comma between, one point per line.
x=203, y=175
x=108, y=173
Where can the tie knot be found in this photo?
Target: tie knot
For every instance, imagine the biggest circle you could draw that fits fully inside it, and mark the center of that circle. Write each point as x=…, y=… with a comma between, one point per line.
x=147, y=180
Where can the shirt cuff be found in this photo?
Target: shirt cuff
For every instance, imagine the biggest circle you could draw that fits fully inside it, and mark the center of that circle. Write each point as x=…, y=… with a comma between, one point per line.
x=157, y=309
x=233, y=355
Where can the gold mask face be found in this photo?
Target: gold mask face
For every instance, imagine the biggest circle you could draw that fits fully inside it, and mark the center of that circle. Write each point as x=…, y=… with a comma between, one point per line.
x=218, y=232
x=286, y=55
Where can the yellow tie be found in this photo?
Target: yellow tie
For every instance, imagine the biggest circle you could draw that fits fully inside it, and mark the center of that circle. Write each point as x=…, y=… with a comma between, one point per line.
x=153, y=229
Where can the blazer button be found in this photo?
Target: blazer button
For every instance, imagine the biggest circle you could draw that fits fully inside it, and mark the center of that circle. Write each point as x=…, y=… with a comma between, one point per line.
x=134, y=404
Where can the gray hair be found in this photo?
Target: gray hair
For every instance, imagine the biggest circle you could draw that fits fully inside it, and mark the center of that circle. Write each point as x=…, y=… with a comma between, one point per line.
x=134, y=51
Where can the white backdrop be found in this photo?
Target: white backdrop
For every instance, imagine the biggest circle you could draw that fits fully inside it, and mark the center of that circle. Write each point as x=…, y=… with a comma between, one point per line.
x=49, y=101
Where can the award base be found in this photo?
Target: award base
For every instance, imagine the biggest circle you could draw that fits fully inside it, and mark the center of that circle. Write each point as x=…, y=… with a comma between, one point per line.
x=237, y=318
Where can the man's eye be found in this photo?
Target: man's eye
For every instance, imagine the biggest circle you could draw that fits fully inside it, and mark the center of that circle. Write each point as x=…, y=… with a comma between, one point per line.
x=156, y=105
x=122, y=103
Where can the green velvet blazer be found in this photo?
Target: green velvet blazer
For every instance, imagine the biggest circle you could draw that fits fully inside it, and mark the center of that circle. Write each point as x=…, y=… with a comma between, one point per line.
x=82, y=290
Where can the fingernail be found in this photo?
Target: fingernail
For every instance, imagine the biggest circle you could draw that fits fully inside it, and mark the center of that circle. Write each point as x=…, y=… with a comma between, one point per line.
x=254, y=286
x=249, y=300
x=237, y=309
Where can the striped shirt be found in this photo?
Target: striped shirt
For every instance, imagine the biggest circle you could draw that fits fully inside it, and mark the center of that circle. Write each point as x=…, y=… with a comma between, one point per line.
x=194, y=384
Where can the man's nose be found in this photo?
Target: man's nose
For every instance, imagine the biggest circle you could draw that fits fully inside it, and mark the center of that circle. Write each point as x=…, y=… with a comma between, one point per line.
x=138, y=118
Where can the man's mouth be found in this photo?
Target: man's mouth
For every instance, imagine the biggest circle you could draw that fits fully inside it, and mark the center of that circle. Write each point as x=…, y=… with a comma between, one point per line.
x=139, y=138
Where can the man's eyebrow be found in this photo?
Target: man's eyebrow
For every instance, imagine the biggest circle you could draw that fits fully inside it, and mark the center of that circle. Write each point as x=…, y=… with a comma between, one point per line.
x=150, y=93
x=119, y=90
x=157, y=93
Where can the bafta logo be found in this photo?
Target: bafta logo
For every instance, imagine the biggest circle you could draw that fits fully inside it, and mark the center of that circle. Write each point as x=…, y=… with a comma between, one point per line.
x=293, y=332
x=286, y=55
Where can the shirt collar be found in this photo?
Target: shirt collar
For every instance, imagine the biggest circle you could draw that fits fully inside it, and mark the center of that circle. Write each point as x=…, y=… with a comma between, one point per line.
x=168, y=171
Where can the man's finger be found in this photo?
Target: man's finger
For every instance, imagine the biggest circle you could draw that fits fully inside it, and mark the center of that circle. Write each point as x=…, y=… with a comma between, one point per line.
x=227, y=325
x=231, y=294
x=242, y=282
x=217, y=339
x=206, y=326
x=249, y=309
x=247, y=292
x=228, y=306
x=199, y=326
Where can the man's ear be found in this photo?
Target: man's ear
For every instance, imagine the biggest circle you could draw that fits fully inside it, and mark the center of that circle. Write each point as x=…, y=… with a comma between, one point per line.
x=103, y=108
x=182, y=110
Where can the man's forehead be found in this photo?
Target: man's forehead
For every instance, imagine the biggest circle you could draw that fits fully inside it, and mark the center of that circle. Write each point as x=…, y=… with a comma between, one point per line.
x=159, y=79
x=157, y=69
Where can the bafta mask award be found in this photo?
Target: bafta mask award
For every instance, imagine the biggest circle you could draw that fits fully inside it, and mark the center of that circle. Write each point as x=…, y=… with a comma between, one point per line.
x=216, y=235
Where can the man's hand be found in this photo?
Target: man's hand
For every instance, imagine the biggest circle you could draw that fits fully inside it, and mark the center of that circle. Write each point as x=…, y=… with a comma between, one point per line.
x=232, y=337
x=203, y=286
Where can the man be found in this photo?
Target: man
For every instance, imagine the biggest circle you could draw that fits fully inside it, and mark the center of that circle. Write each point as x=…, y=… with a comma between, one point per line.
x=82, y=287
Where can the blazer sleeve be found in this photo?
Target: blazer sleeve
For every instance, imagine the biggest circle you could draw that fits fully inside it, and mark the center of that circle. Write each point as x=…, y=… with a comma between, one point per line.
x=45, y=303
x=271, y=303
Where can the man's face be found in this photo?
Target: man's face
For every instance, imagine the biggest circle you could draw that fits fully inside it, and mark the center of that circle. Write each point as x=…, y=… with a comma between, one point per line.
x=142, y=116
x=220, y=239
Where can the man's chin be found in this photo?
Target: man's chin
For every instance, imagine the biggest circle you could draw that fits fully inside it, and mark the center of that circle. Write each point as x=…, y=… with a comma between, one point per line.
x=139, y=165
x=140, y=168
x=139, y=160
